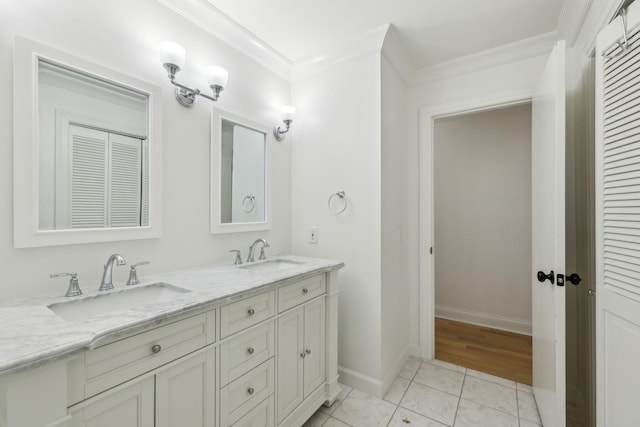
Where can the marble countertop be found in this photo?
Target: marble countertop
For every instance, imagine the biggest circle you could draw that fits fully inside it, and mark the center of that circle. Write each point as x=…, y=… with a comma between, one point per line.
x=32, y=335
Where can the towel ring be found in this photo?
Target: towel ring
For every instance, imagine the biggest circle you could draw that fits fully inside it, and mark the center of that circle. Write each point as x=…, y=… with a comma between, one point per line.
x=252, y=200
x=340, y=195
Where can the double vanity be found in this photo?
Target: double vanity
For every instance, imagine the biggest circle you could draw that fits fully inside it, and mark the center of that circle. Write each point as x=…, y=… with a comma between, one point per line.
x=248, y=345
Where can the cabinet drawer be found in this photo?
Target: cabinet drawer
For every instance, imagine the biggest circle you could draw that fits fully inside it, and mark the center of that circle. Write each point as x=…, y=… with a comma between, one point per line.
x=107, y=366
x=260, y=416
x=245, y=313
x=243, y=394
x=300, y=292
x=245, y=351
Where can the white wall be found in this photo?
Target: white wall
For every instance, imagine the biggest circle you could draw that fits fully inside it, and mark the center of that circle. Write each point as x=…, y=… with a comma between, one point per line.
x=459, y=93
x=125, y=35
x=482, y=209
x=395, y=288
x=336, y=146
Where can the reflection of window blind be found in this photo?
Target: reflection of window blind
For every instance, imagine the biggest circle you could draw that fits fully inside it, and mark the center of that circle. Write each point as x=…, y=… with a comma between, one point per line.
x=109, y=179
x=125, y=180
x=144, y=220
x=88, y=178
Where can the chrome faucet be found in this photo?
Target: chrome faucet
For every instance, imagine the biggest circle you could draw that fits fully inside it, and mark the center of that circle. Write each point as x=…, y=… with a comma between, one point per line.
x=107, y=277
x=252, y=250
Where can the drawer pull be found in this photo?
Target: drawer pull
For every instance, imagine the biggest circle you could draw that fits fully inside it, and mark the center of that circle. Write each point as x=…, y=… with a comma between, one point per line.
x=156, y=348
x=305, y=290
x=250, y=350
x=251, y=312
x=308, y=351
x=303, y=355
x=250, y=390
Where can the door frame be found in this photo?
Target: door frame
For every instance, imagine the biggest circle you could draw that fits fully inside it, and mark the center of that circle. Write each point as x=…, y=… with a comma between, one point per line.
x=427, y=118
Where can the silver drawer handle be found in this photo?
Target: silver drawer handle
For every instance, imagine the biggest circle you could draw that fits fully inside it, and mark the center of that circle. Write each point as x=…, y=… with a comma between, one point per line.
x=305, y=290
x=303, y=355
x=250, y=350
x=308, y=351
x=156, y=348
x=251, y=312
x=250, y=390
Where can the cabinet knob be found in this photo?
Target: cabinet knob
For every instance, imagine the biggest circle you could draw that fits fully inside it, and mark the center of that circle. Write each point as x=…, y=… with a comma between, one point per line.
x=250, y=350
x=303, y=355
x=305, y=290
x=250, y=390
x=308, y=351
x=156, y=348
x=251, y=312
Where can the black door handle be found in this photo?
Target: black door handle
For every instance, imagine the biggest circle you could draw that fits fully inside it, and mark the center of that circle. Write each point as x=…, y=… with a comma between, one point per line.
x=574, y=278
x=542, y=277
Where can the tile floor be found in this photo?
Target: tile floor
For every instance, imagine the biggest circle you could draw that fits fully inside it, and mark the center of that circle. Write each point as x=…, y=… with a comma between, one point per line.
x=435, y=394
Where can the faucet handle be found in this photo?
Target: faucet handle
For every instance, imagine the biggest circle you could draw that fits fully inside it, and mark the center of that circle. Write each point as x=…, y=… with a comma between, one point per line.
x=262, y=255
x=238, y=260
x=133, y=273
x=74, y=287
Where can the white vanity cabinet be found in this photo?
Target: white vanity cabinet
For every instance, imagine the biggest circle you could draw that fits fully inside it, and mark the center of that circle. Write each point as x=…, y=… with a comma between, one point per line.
x=266, y=358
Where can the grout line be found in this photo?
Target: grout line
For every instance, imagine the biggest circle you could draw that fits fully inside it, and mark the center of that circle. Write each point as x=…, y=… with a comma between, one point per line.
x=459, y=398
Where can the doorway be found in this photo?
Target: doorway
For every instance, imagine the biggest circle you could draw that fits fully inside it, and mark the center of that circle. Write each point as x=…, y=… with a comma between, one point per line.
x=482, y=240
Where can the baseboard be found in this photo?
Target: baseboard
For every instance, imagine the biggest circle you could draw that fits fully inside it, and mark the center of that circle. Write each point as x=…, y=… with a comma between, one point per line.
x=414, y=350
x=482, y=319
x=360, y=382
x=395, y=370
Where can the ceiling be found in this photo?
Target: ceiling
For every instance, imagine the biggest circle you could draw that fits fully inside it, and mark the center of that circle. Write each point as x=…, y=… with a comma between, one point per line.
x=432, y=31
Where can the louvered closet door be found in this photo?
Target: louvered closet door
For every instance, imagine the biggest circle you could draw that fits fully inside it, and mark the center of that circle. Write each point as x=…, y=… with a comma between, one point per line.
x=88, y=177
x=618, y=225
x=125, y=177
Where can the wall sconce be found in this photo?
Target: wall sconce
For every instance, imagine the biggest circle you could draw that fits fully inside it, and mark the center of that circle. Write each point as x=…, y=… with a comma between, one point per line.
x=287, y=113
x=172, y=56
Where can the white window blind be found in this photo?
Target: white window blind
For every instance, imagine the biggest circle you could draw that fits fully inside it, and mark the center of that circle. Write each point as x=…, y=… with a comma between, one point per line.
x=109, y=179
x=88, y=177
x=621, y=170
x=125, y=181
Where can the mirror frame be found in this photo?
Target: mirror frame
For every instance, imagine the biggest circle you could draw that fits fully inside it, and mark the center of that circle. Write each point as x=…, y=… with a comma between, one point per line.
x=217, y=226
x=25, y=149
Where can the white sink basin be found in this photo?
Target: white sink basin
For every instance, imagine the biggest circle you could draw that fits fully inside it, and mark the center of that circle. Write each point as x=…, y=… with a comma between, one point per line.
x=271, y=265
x=85, y=308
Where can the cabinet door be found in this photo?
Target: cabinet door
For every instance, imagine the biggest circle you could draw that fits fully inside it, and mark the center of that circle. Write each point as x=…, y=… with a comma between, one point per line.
x=185, y=393
x=313, y=345
x=290, y=391
x=131, y=406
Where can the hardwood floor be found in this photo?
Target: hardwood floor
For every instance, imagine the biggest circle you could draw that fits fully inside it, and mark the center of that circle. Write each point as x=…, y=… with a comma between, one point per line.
x=496, y=352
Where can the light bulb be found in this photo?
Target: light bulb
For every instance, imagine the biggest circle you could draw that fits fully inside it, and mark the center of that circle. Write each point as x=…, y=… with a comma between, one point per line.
x=288, y=112
x=172, y=53
x=217, y=76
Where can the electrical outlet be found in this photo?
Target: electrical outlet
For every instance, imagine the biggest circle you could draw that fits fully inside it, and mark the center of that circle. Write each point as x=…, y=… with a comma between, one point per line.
x=313, y=234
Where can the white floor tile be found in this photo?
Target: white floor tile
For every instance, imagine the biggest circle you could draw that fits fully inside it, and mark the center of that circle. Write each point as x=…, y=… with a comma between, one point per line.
x=471, y=414
x=431, y=403
x=360, y=409
x=525, y=388
x=492, y=378
x=448, y=365
x=332, y=422
x=490, y=394
x=316, y=419
x=525, y=423
x=410, y=368
x=406, y=418
x=440, y=378
x=397, y=389
x=527, y=408
x=344, y=392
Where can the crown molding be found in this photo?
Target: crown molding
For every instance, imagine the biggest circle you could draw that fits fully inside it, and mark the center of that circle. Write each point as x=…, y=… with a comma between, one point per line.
x=396, y=54
x=215, y=22
x=365, y=44
x=508, y=53
x=600, y=13
x=571, y=19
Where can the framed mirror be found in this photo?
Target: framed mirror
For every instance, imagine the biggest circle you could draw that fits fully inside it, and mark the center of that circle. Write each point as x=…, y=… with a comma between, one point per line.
x=92, y=138
x=240, y=194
